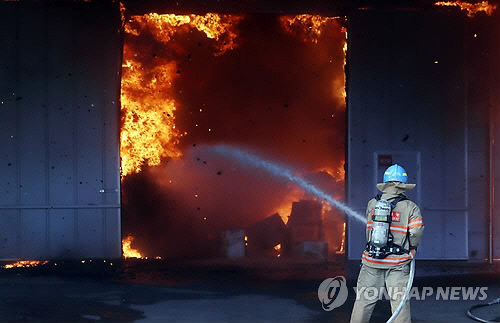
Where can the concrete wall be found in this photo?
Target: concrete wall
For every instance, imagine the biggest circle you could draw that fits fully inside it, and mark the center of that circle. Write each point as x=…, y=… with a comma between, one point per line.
x=414, y=94
x=59, y=131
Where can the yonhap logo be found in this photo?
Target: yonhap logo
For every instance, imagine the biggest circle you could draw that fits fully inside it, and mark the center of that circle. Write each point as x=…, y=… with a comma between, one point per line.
x=332, y=292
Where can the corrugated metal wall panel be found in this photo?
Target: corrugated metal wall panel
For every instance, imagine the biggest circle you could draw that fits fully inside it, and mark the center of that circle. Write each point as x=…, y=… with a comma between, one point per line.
x=60, y=129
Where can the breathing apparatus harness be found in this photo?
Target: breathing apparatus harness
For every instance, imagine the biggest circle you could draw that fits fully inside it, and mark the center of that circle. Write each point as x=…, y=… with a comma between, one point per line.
x=382, y=243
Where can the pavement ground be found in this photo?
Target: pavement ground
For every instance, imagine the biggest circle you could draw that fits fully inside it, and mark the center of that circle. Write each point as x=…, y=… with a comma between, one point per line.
x=185, y=294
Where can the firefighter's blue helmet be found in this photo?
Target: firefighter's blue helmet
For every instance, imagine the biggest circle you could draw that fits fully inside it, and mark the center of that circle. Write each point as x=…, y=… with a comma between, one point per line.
x=395, y=173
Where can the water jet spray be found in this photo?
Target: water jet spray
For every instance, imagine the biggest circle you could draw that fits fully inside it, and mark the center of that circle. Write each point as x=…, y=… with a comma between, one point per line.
x=277, y=170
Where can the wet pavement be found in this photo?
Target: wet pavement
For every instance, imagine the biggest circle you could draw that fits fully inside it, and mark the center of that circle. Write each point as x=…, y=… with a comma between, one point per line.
x=145, y=292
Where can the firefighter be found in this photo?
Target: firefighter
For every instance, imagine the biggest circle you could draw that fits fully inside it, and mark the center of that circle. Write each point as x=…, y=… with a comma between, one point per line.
x=393, y=232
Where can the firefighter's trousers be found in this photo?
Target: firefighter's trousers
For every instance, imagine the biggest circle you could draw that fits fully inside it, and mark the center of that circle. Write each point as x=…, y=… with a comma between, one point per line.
x=370, y=285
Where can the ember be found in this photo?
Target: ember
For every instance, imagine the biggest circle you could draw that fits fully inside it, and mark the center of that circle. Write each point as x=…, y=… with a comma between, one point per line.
x=25, y=263
x=277, y=248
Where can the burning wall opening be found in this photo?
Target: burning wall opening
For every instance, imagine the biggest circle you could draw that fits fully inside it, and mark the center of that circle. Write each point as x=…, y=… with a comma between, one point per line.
x=272, y=85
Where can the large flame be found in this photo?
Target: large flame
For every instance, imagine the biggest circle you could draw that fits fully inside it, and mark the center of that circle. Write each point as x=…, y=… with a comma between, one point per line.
x=150, y=86
x=471, y=8
x=163, y=27
x=148, y=133
x=128, y=251
x=148, y=105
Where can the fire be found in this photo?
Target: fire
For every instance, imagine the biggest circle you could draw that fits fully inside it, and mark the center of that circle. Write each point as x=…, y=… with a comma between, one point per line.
x=311, y=28
x=471, y=8
x=337, y=173
x=148, y=133
x=163, y=27
x=284, y=211
x=343, y=93
x=277, y=248
x=310, y=25
x=342, y=245
x=153, y=112
x=25, y=263
x=128, y=251
x=148, y=105
x=122, y=13
x=285, y=207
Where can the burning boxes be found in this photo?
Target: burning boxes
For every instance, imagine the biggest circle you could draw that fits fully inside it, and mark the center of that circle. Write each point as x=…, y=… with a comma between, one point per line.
x=265, y=235
x=305, y=223
x=301, y=237
x=305, y=228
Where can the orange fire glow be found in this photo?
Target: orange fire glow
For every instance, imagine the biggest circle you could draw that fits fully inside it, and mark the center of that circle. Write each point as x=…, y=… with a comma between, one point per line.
x=344, y=49
x=471, y=8
x=149, y=134
x=148, y=107
x=285, y=208
x=122, y=13
x=128, y=251
x=219, y=27
x=337, y=173
x=311, y=26
x=25, y=263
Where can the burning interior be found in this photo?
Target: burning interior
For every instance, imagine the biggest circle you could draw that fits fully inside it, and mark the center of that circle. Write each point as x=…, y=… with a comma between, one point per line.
x=271, y=85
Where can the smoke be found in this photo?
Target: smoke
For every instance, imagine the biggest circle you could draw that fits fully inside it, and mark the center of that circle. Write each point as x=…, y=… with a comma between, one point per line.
x=274, y=95
x=178, y=210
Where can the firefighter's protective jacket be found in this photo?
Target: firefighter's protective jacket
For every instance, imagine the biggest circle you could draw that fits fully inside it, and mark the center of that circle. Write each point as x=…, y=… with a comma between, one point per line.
x=407, y=225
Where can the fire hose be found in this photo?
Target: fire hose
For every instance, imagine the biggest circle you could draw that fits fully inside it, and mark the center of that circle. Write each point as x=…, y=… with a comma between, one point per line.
x=407, y=292
x=472, y=316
